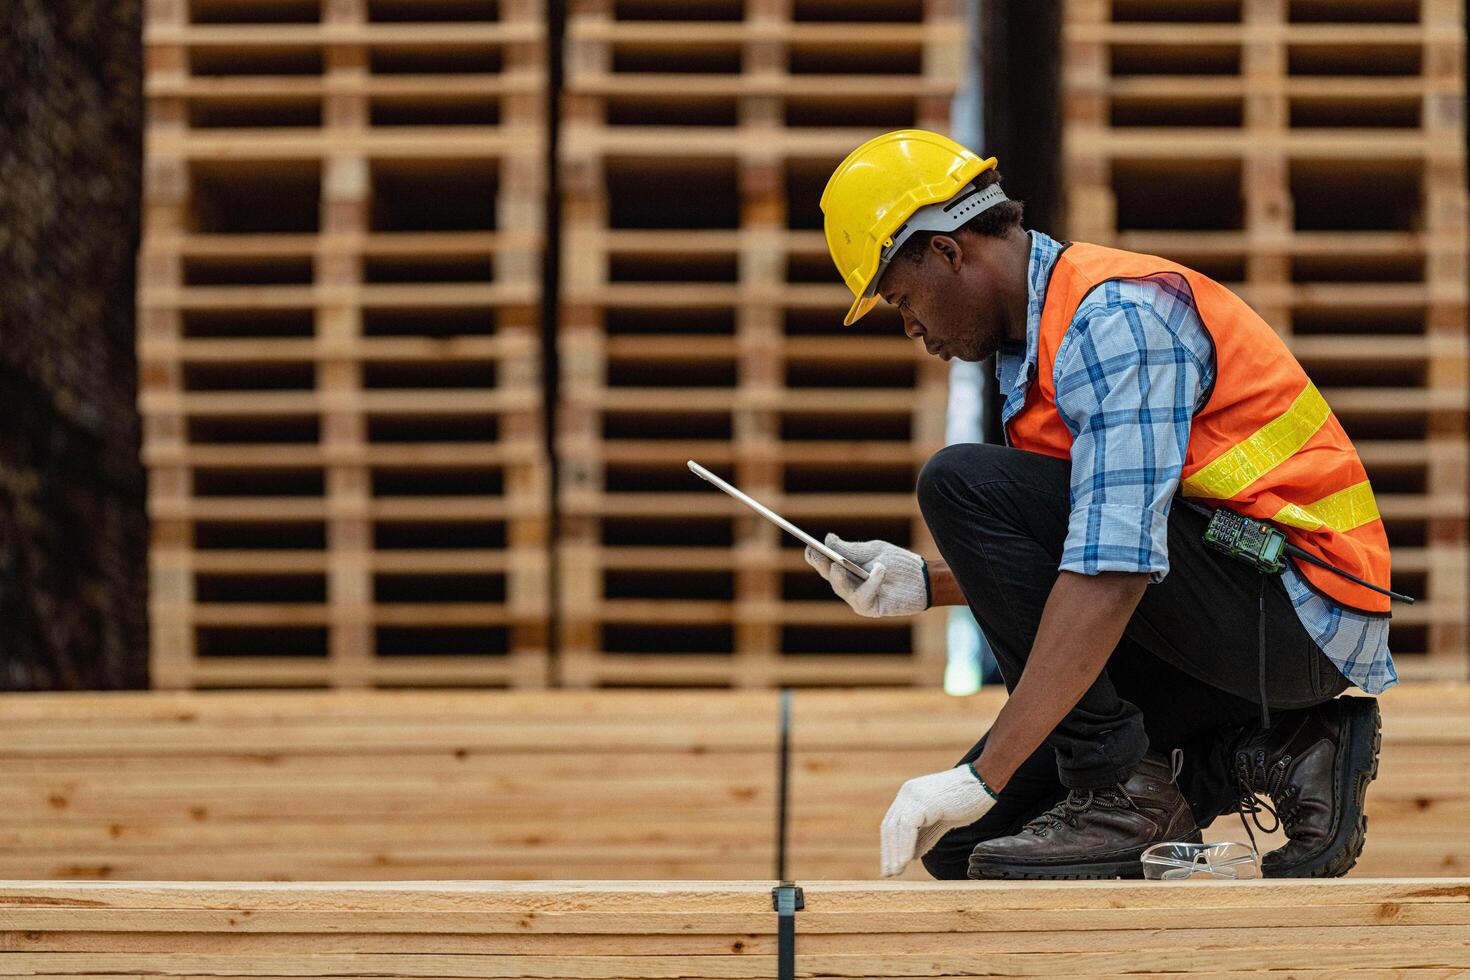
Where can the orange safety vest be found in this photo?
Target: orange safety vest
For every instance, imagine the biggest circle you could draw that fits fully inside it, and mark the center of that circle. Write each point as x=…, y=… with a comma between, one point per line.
x=1265, y=444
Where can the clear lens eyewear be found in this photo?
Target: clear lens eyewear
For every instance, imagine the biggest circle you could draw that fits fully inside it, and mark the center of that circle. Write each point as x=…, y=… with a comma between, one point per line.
x=1175, y=862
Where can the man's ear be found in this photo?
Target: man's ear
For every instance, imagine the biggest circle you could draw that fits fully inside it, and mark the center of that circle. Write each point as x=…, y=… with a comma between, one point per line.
x=948, y=250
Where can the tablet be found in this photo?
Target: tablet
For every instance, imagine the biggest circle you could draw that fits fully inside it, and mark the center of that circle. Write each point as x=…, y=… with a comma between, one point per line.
x=779, y=521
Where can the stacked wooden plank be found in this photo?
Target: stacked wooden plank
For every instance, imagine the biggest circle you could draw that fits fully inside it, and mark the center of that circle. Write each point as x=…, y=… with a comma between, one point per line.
x=701, y=318
x=388, y=785
x=339, y=336
x=1310, y=153
x=1400, y=927
x=606, y=784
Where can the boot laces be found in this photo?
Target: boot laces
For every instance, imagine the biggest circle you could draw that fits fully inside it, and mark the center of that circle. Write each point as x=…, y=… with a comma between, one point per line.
x=1254, y=776
x=1078, y=802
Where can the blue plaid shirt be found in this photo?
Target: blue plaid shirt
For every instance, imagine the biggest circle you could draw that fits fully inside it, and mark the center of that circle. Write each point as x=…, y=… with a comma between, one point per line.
x=1133, y=368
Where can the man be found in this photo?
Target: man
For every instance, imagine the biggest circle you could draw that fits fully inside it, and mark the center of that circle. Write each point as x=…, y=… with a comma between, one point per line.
x=1155, y=683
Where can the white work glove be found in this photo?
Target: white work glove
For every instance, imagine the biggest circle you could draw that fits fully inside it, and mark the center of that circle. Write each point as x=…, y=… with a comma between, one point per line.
x=927, y=808
x=897, y=585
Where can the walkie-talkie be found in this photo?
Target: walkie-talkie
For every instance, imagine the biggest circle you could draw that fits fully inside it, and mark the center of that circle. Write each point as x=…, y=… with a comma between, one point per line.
x=1262, y=546
x=1256, y=543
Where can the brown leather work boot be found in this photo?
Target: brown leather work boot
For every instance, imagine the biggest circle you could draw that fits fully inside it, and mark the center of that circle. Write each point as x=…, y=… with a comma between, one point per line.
x=1096, y=833
x=1315, y=766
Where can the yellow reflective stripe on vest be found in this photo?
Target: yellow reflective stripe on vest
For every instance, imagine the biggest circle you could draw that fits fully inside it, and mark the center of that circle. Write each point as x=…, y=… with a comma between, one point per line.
x=1259, y=453
x=1341, y=511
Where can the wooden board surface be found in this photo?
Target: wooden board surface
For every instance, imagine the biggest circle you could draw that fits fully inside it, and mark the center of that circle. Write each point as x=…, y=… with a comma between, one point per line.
x=271, y=785
x=1397, y=927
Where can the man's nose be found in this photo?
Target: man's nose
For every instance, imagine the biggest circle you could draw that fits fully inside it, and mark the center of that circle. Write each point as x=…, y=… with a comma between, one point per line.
x=912, y=328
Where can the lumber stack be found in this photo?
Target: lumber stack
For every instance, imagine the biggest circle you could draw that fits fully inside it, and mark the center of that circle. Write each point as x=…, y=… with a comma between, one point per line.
x=388, y=785
x=1400, y=927
x=391, y=785
x=701, y=318
x=1310, y=153
x=339, y=336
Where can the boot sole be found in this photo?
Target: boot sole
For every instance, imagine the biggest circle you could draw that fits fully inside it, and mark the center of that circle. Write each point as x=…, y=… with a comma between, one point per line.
x=1084, y=871
x=1357, y=768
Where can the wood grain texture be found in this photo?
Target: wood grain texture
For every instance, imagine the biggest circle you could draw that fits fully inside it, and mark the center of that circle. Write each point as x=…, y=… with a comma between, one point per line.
x=638, y=929
x=556, y=785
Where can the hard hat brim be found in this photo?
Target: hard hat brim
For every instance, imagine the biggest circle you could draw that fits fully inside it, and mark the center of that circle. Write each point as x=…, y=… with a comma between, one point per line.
x=954, y=216
x=860, y=308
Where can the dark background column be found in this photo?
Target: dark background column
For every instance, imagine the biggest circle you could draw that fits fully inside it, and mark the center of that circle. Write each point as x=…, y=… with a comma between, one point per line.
x=1021, y=60
x=73, y=531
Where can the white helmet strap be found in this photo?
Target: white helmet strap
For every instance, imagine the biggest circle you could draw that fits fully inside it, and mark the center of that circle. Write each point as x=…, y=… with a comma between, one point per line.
x=942, y=217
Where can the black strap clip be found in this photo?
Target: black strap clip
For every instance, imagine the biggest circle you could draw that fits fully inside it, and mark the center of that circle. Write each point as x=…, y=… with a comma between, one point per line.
x=787, y=899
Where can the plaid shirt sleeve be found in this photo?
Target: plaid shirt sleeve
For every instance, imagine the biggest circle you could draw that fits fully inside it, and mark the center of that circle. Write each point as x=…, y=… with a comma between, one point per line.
x=1129, y=374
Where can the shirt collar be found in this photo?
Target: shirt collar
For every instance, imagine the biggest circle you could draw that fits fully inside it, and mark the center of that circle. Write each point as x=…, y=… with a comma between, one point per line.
x=1044, y=252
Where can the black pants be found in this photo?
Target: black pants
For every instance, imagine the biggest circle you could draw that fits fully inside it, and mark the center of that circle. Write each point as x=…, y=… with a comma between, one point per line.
x=1185, y=671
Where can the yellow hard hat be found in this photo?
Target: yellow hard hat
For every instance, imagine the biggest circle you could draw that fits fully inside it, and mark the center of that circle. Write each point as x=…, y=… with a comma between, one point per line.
x=879, y=187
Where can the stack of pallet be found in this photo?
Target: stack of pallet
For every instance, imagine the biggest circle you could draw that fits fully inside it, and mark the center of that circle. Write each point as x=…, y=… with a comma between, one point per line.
x=341, y=290
x=1406, y=927
x=701, y=318
x=1311, y=154
x=340, y=341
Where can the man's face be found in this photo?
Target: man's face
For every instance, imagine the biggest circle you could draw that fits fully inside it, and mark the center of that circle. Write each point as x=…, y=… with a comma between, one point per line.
x=946, y=300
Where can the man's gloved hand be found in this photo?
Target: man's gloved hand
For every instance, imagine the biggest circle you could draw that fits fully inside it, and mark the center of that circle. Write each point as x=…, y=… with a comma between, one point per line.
x=927, y=808
x=898, y=581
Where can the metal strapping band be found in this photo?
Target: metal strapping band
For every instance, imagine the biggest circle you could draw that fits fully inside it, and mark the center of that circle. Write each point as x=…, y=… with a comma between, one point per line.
x=788, y=900
x=1341, y=511
x=1259, y=453
x=783, y=781
x=786, y=897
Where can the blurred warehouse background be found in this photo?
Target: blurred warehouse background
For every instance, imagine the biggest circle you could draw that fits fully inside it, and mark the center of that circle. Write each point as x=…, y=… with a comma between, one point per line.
x=435, y=297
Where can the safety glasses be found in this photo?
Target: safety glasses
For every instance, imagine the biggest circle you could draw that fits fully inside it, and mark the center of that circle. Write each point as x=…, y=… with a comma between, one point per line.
x=1173, y=862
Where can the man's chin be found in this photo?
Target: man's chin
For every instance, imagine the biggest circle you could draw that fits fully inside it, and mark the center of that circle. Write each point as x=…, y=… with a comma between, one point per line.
x=946, y=354
x=975, y=355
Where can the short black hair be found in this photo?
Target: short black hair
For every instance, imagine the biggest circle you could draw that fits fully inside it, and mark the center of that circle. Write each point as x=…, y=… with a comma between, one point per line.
x=995, y=222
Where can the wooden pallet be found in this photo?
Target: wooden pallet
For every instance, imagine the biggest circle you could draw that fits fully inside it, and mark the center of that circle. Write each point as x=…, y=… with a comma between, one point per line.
x=1310, y=154
x=339, y=335
x=700, y=318
x=1401, y=927
x=351, y=785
